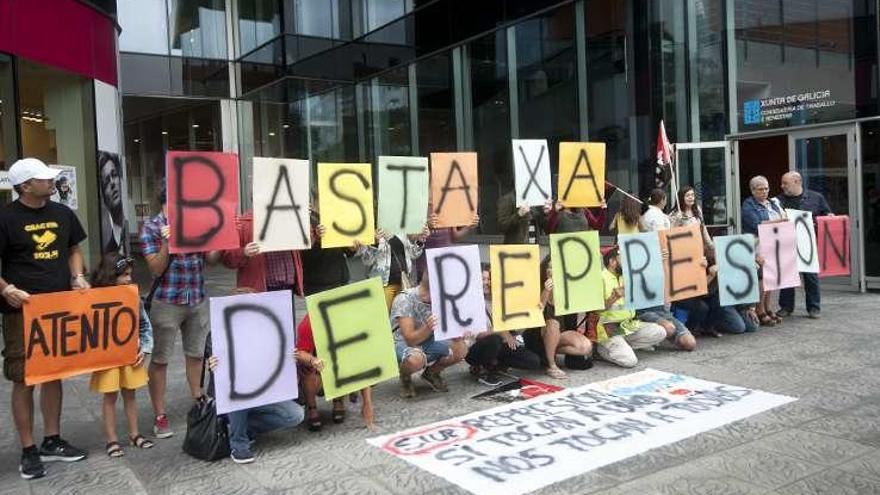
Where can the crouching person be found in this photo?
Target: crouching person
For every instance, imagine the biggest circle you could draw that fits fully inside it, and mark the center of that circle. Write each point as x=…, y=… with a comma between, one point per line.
x=413, y=326
x=618, y=332
x=247, y=424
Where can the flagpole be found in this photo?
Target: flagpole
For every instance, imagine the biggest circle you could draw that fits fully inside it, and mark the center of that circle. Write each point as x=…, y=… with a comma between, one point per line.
x=623, y=192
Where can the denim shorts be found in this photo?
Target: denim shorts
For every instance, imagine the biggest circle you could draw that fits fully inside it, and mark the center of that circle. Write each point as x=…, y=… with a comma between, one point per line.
x=433, y=350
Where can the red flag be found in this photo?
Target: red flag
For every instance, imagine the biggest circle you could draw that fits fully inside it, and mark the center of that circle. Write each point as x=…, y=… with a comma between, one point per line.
x=663, y=171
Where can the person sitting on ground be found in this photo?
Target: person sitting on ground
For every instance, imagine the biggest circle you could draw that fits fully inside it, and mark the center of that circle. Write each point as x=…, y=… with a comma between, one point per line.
x=115, y=269
x=626, y=220
x=413, y=326
x=392, y=259
x=309, y=367
x=493, y=352
x=559, y=335
x=618, y=332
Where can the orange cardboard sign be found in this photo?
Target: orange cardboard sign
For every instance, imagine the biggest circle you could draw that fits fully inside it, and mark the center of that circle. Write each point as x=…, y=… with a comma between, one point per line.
x=454, y=188
x=75, y=332
x=682, y=265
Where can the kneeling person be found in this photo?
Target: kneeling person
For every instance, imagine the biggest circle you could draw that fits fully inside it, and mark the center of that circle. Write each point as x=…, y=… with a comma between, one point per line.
x=413, y=326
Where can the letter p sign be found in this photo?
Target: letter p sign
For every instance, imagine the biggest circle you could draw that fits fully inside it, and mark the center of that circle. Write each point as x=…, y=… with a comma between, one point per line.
x=202, y=200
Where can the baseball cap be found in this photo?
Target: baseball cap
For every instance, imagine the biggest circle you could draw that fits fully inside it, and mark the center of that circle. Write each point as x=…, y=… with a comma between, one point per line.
x=30, y=168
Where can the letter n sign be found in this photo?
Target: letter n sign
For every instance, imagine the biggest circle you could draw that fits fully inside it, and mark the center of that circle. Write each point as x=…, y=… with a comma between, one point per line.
x=202, y=200
x=353, y=337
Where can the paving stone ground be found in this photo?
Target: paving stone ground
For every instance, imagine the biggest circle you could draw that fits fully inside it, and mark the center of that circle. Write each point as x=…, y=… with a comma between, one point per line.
x=828, y=441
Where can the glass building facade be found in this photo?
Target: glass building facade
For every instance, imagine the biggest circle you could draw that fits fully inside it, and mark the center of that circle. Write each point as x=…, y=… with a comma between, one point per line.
x=744, y=87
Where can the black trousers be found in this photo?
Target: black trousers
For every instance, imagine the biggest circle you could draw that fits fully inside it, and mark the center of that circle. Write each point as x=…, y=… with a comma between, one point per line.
x=493, y=352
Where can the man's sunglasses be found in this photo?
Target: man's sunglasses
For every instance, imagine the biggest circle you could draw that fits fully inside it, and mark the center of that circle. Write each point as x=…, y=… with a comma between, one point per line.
x=123, y=264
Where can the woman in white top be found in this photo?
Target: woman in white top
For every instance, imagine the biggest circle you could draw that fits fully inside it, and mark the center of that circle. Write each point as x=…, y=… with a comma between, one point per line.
x=654, y=219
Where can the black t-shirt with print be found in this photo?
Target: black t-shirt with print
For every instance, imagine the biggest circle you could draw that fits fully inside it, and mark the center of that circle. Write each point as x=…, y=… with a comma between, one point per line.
x=35, y=246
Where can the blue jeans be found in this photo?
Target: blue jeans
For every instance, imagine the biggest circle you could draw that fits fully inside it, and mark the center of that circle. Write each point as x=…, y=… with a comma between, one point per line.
x=727, y=319
x=246, y=424
x=660, y=313
x=811, y=289
x=434, y=350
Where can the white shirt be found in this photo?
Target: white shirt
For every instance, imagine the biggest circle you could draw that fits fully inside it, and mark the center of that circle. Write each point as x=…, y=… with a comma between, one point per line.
x=653, y=220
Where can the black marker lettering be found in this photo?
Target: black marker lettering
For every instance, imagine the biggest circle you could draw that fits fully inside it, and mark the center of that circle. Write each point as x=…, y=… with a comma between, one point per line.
x=841, y=252
x=633, y=271
x=180, y=163
x=405, y=169
x=672, y=262
x=567, y=276
x=465, y=187
x=447, y=297
x=333, y=345
x=282, y=176
x=502, y=258
x=748, y=270
x=582, y=157
x=228, y=313
x=533, y=172
x=801, y=222
x=363, y=214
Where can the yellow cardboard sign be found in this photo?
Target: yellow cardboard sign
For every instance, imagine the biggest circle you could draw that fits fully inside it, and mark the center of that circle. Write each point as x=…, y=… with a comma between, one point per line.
x=516, y=287
x=345, y=203
x=581, y=174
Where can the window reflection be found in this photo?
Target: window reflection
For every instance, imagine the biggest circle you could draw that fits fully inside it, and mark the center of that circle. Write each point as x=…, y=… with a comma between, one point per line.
x=197, y=28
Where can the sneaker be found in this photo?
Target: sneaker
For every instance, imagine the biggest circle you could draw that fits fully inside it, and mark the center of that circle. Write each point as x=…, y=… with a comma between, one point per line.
x=489, y=379
x=435, y=380
x=243, y=456
x=407, y=389
x=161, y=428
x=60, y=450
x=31, y=466
x=784, y=312
x=814, y=314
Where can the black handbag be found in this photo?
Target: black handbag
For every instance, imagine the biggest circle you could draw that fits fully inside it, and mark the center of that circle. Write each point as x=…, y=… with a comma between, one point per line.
x=207, y=435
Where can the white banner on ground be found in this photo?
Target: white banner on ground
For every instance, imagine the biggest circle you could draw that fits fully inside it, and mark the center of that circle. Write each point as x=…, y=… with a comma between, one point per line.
x=521, y=447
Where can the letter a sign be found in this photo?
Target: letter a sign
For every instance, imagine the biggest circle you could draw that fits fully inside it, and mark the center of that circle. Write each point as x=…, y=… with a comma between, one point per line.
x=281, y=204
x=202, y=200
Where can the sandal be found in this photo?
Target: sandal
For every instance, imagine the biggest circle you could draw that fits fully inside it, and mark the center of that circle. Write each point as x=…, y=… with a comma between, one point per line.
x=114, y=449
x=338, y=414
x=766, y=320
x=140, y=442
x=314, y=422
x=776, y=318
x=555, y=372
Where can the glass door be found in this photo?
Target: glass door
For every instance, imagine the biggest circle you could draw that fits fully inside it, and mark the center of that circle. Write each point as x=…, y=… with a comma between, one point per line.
x=826, y=159
x=706, y=167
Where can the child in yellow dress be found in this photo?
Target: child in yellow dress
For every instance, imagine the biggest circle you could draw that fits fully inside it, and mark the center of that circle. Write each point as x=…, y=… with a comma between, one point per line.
x=115, y=269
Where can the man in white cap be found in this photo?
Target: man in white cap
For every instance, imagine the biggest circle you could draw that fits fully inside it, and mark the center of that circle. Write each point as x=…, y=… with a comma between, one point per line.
x=39, y=250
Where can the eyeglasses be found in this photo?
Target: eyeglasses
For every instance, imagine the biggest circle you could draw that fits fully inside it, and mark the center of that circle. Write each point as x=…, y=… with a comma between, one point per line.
x=123, y=264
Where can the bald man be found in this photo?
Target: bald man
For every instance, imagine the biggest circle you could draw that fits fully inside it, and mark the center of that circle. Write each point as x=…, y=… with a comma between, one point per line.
x=795, y=196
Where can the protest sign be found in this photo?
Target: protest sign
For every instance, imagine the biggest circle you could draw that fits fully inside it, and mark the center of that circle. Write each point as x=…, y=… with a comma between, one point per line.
x=281, y=204
x=834, y=249
x=353, y=337
x=737, y=270
x=581, y=174
x=403, y=194
x=683, y=267
x=345, y=198
x=531, y=167
x=456, y=291
x=202, y=199
x=643, y=282
x=75, y=332
x=807, y=250
x=252, y=336
x=778, y=247
x=517, y=390
x=516, y=287
x=520, y=447
x=454, y=188
x=577, y=272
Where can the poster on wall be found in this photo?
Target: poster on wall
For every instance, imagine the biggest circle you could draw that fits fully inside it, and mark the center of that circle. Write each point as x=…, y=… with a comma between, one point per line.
x=65, y=187
x=114, y=229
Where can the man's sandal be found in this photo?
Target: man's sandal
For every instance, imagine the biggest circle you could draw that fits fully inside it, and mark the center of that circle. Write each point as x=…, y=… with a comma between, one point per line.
x=313, y=423
x=114, y=449
x=140, y=442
